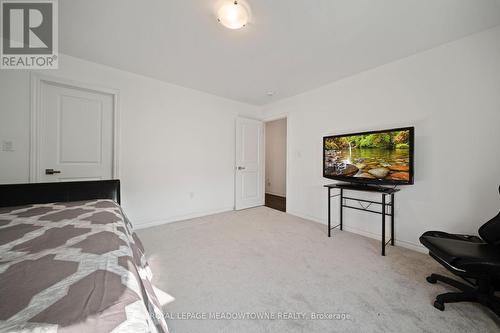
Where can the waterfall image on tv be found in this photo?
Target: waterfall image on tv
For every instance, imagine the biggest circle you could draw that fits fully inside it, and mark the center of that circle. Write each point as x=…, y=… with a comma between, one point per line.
x=381, y=157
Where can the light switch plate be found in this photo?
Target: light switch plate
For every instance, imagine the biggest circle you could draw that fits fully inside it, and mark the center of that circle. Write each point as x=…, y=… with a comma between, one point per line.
x=7, y=145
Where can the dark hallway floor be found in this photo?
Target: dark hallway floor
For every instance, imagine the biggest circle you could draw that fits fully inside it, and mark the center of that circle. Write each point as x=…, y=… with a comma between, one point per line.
x=276, y=202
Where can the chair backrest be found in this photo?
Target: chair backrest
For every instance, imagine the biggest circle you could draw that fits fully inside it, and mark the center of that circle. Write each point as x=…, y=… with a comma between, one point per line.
x=490, y=231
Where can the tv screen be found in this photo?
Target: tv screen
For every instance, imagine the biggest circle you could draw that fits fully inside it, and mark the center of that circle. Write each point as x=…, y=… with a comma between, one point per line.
x=378, y=157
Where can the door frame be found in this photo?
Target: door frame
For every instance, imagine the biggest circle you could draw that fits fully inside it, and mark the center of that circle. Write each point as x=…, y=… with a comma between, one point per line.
x=287, y=152
x=37, y=80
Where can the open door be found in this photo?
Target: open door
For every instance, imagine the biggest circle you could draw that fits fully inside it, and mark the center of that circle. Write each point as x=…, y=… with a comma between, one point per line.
x=249, y=167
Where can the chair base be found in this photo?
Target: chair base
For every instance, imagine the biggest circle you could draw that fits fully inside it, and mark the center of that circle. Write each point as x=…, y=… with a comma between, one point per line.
x=483, y=293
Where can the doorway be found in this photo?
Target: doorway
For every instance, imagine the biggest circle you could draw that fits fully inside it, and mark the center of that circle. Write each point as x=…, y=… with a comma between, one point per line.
x=276, y=143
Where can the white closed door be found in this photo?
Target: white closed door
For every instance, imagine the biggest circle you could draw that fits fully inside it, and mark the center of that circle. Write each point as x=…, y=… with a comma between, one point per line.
x=76, y=133
x=249, y=163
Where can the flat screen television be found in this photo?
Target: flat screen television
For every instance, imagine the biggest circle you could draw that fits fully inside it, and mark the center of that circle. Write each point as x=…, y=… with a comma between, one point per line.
x=382, y=157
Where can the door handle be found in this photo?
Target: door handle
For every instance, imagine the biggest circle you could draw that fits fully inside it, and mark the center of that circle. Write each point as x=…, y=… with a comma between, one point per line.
x=51, y=171
x=241, y=168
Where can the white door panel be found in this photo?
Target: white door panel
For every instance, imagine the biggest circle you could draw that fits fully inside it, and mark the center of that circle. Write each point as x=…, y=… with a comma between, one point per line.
x=80, y=118
x=76, y=133
x=250, y=184
x=249, y=163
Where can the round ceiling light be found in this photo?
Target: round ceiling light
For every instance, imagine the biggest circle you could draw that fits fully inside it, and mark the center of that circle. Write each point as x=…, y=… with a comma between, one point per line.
x=233, y=15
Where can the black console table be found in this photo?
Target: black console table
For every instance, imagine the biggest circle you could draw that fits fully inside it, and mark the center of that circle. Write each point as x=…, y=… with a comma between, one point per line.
x=344, y=202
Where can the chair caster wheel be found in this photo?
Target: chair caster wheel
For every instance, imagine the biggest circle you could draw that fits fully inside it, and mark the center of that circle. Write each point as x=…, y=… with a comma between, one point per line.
x=439, y=306
x=430, y=279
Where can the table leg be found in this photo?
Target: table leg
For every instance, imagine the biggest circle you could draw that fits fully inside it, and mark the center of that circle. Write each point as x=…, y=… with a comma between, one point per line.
x=329, y=212
x=341, y=208
x=383, y=224
x=392, y=219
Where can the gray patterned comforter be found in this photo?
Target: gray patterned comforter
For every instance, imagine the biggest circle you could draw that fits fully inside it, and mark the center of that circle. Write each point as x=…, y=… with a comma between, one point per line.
x=74, y=267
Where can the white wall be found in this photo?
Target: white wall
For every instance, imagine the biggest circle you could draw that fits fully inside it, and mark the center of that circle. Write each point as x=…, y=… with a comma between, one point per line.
x=176, y=149
x=451, y=94
x=276, y=157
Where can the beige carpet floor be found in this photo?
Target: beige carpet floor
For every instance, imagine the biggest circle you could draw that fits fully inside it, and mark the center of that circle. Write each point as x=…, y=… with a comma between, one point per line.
x=262, y=262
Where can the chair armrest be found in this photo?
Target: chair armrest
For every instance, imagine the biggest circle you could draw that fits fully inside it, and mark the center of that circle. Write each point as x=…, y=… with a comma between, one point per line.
x=466, y=238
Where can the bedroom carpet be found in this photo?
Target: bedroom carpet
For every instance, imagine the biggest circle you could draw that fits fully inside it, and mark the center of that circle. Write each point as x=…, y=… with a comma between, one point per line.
x=262, y=262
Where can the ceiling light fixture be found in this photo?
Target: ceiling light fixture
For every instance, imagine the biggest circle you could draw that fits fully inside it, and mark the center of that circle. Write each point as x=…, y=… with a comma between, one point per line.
x=233, y=15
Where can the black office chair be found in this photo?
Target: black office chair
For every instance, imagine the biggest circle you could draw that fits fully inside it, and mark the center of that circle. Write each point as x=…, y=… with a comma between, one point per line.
x=474, y=259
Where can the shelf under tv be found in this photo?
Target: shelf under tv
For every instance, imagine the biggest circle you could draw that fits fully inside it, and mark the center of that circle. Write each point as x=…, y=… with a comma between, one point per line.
x=387, y=208
x=364, y=187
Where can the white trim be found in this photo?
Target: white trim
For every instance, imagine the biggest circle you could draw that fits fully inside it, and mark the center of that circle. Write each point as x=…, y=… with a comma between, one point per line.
x=180, y=218
x=287, y=158
x=405, y=244
x=34, y=147
x=34, y=155
x=276, y=194
x=276, y=117
x=263, y=162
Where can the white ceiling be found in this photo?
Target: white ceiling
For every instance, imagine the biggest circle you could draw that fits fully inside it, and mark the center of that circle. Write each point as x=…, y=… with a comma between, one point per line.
x=289, y=47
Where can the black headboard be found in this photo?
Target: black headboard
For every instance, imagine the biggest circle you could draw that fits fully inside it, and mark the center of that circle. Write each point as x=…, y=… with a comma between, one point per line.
x=25, y=194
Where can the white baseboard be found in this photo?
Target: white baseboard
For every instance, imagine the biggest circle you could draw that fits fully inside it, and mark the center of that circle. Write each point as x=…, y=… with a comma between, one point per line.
x=276, y=194
x=149, y=224
x=405, y=244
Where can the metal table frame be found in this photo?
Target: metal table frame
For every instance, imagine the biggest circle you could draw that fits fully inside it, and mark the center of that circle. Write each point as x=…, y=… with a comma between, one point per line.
x=387, y=208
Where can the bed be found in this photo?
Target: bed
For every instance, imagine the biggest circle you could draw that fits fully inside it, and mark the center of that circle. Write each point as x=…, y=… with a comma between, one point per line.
x=70, y=262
